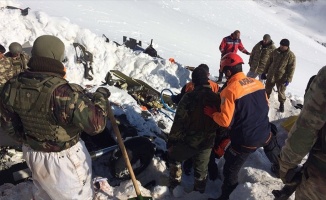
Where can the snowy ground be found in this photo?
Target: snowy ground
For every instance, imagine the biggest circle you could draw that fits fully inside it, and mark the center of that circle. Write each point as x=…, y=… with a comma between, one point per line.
x=188, y=31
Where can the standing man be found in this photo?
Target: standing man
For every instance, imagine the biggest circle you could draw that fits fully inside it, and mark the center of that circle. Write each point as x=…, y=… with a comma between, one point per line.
x=46, y=114
x=308, y=136
x=231, y=44
x=279, y=71
x=244, y=111
x=187, y=165
x=192, y=133
x=259, y=56
x=17, y=57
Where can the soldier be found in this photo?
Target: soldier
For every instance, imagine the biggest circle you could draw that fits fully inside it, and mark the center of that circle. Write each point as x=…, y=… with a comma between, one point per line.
x=187, y=165
x=259, y=56
x=244, y=111
x=231, y=44
x=17, y=57
x=5, y=67
x=46, y=114
x=279, y=71
x=308, y=135
x=192, y=133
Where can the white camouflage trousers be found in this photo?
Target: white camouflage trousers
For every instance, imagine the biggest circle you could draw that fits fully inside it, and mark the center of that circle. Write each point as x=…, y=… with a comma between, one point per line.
x=64, y=175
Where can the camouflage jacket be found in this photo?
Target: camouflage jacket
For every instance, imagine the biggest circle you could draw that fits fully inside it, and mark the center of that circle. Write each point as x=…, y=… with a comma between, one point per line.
x=280, y=66
x=305, y=135
x=6, y=71
x=191, y=125
x=259, y=56
x=55, y=124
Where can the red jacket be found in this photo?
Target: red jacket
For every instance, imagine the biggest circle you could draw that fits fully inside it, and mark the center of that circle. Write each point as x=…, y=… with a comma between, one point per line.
x=230, y=44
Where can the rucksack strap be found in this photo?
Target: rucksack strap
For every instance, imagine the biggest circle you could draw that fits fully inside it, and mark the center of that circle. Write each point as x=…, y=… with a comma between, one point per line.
x=44, y=98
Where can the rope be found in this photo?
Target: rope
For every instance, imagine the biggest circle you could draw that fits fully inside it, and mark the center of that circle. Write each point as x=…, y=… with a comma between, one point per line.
x=164, y=104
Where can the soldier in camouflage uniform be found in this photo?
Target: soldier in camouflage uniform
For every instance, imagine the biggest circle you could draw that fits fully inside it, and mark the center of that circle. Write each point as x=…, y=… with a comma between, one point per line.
x=46, y=114
x=192, y=133
x=279, y=71
x=308, y=135
x=4, y=67
x=259, y=56
x=18, y=58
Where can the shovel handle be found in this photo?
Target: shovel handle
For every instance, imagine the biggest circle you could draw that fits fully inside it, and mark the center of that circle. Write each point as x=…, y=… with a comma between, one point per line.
x=123, y=149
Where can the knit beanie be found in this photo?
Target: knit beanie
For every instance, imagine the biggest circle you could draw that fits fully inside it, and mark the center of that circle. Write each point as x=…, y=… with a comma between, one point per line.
x=285, y=42
x=205, y=67
x=267, y=37
x=47, y=54
x=49, y=46
x=199, y=76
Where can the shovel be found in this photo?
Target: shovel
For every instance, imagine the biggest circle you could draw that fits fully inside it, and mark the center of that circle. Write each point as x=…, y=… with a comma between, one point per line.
x=125, y=156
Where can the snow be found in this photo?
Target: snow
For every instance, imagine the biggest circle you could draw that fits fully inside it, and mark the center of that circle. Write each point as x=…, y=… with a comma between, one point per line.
x=188, y=31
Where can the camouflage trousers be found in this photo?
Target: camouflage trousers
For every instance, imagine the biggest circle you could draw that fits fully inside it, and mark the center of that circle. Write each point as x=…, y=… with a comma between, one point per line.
x=182, y=152
x=313, y=185
x=280, y=90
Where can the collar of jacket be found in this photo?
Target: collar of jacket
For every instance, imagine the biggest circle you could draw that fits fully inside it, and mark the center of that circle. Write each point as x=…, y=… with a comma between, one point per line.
x=202, y=86
x=236, y=77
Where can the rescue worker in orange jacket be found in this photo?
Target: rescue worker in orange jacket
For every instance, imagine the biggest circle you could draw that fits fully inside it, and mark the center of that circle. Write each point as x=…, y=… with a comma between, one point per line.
x=190, y=86
x=244, y=111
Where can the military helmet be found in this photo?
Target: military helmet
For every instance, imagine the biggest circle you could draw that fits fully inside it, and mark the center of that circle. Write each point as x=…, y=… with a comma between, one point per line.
x=15, y=48
x=230, y=60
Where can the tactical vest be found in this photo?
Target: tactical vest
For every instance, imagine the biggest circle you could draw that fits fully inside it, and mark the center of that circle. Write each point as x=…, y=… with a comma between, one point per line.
x=30, y=99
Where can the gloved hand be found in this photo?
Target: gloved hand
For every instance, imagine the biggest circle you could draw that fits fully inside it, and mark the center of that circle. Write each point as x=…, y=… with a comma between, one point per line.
x=209, y=111
x=219, y=149
x=286, y=83
x=263, y=76
x=212, y=167
x=106, y=92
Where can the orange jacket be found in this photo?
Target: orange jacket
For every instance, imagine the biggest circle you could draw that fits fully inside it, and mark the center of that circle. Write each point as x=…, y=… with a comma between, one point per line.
x=244, y=110
x=190, y=86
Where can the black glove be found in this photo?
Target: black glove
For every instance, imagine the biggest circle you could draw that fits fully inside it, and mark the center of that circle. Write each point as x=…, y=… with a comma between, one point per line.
x=292, y=176
x=106, y=92
x=263, y=76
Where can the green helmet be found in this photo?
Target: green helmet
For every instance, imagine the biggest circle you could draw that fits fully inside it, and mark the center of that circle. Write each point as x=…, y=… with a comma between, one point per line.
x=15, y=48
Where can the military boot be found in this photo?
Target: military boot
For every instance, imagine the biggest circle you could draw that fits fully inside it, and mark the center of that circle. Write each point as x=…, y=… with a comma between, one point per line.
x=175, y=175
x=200, y=185
x=281, y=107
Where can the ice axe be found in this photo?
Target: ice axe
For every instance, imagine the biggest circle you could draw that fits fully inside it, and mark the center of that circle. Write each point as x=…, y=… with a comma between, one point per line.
x=125, y=156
